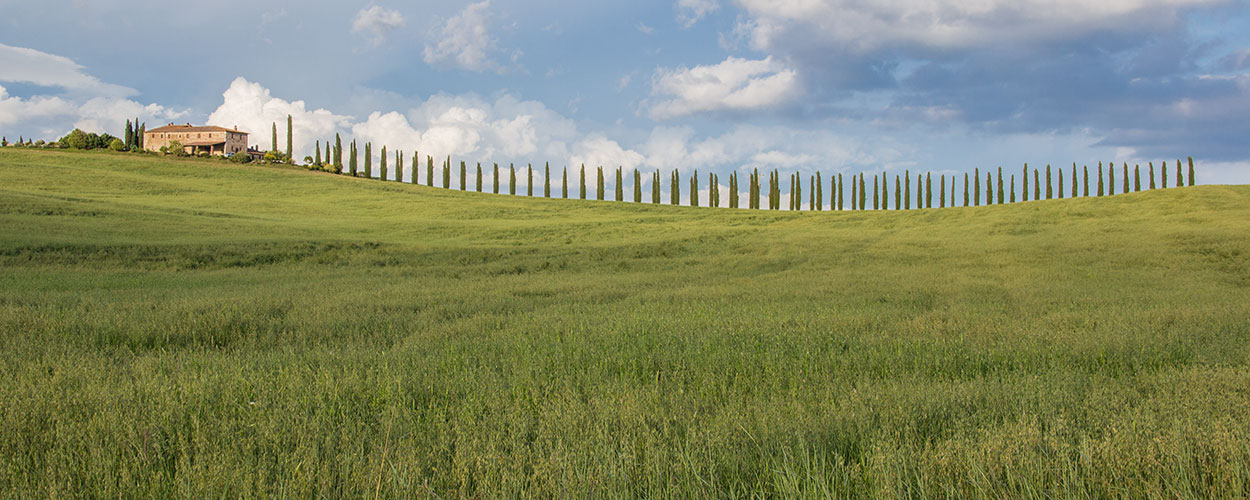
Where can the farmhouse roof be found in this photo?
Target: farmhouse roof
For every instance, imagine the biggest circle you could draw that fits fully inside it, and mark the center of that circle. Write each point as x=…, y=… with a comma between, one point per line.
x=192, y=128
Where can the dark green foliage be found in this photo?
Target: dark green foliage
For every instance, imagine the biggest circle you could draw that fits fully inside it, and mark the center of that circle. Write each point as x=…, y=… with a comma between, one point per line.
x=275, y=137
x=546, y=180
x=495, y=180
x=529, y=180
x=1060, y=184
x=338, y=153
x=317, y=160
x=289, y=139
x=906, y=190
x=863, y=196
x=876, y=188
x=733, y=189
x=989, y=189
x=841, y=191
x=655, y=187
x=942, y=193
x=674, y=189
x=368, y=159
x=581, y=193
x=928, y=190
x=885, y=191
x=399, y=166
x=139, y=138
x=820, y=192
x=854, y=193
x=463, y=176
x=382, y=165
x=694, y=189
x=1180, y=177
x=620, y=185
x=637, y=186
x=329, y=157
x=1100, y=183
x=1191, y=170
x=1037, y=187
x=478, y=184
x=352, y=159
x=898, y=193
x=429, y=171
x=1136, y=178
x=1152, y=175
x=130, y=135
x=1163, y=169
x=1125, y=177
x=1013, y=188
x=447, y=173
x=976, y=187
x=1025, y=187
x=1085, y=181
x=714, y=185
x=512, y=179
x=599, y=183
x=1050, y=187
x=920, y=189
x=1001, y=198
x=564, y=183
x=416, y=168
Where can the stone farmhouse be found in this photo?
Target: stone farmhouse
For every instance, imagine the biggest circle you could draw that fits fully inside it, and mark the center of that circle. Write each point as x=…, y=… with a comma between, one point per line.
x=196, y=140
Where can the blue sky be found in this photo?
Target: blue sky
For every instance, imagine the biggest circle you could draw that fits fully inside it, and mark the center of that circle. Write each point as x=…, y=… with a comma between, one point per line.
x=717, y=85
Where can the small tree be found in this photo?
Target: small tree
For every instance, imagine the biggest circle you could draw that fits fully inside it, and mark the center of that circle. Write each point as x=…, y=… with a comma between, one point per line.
x=694, y=189
x=733, y=190
x=1013, y=188
x=906, y=190
x=1085, y=179
x=382, y=165
x=1001, y=198
x=885, y=191
x=1037, y=187
x=581, y=193
x=529, y=180
x=928, y=190
x=1049, y=187
x=495, y=179
x=637, y=186
x=338, y=153
x=1025, y=186
x=674, y=189
x=564, y=184
x=898, y=193
x=368, y=159
x=290, y=148
x=416, y=168
x=1163, y=167
x=429, y=170
x=317, y=160
x=547, y=180
x=1152, y=175
x=130, y=136
x=863, y=197
x=117, y=145
x=599, y=183
x=1180, y=178
x=1191, y=171
x=275, y=137
x=976, y=187
x=1136, y=178
x=1100, y=187
x=352, y=159
x=1125, y=177
x=399, y=166
x=620, y=185
x=479, y=177
x=942, y=193
x=447, y=173
x=965, y=189
x=989, y=189
x=511, y=179
x=655, y=188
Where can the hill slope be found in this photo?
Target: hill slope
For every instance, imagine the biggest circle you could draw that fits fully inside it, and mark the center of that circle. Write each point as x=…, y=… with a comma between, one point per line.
x=191, y=328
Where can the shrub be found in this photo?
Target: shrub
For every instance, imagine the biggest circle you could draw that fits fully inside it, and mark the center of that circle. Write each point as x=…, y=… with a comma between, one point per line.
x=117, y=145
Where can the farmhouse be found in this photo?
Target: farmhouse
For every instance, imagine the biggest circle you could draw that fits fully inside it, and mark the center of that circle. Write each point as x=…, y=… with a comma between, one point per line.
x=195, y=140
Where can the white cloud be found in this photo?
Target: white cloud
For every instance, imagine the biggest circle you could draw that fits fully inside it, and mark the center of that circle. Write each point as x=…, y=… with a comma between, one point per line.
x=597, y=150
x=465, y=42
x=689, y=12
x=23, y=65
x=862, y=27
x=252, y=108
x=733, y=85
x=376, y=22
x=644, y=29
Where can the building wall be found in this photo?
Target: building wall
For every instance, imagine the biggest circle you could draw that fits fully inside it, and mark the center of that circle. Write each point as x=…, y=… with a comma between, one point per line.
x=154, y=141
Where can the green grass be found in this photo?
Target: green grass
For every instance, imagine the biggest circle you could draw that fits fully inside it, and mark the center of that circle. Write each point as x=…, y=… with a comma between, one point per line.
x=196, y=329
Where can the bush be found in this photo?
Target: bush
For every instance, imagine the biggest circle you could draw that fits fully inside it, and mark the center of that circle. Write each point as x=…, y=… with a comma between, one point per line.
x=77, y=139
x=117, y=145
x=240, y=157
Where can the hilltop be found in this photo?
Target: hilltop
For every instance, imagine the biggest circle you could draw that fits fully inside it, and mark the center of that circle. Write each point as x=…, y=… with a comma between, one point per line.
x=198, y=328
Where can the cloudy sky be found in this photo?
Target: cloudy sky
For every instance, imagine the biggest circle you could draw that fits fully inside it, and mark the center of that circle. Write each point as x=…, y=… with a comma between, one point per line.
x=717, y=85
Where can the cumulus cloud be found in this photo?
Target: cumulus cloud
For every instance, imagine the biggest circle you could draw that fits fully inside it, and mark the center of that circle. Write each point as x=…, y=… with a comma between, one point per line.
x=465, y=42
x=79, y=101
x=733, y=85
x=376, y=22
x=252, y=108
x=689, y=12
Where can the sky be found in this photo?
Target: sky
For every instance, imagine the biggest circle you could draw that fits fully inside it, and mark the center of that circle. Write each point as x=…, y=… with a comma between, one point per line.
x=715, y=85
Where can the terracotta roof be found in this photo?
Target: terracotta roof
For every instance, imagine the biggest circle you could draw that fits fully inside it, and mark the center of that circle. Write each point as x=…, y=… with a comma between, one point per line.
x=190, y=128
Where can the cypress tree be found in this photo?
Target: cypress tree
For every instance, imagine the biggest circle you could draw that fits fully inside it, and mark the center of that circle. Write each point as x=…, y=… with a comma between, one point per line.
x=495, y=179
x=989, y=189
x=546, y=179
x=811, y=193
x=920, y=191
x=1025, y=186
x=275, y=137
x=1013, y=188
x=1085, y=185
x=1100, y=190
x=733, y=190
x=479, y=177
x=1152, y=175
x=875, y=189
x=1136, y=178
x=863, y=197
x=798, y=191
x=942, y=193
x=1000, y=186
x=714, y=185
x=772, y=191
x=1049, y=189
x=599, y=184
x=841, y=191
x=1111, y=179
x=429, y=171
x=965, y=189
x=447, y=173
x=338, y=152
x=928, y=190
x=637, y=186
x=581, y=193
x=143, y=128
x=329, y=158
x=351, y=159
x=885, y=191
x=1126, y=191
x=898, y=193
x=564, y=183
x=290, y=149
x=399, y=166
x=906, y=190
x=317, y=160
x=368, y=160
x=382, y=165
x=1060, y=184
x=1075, y=181
x=620, y=185
x=1037, y=187
x=512, y=179
x=655, y=187
x=674, y=189
x=1163, y=167
x=819, y=184
x=1191, y=170
x=976, y=187
x=416, y=167
x=1180, y=178
x=130, y=135
x=529, y=180
x=694, y=189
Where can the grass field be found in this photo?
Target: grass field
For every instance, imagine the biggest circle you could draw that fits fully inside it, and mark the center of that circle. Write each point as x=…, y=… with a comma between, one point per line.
x=195, y=329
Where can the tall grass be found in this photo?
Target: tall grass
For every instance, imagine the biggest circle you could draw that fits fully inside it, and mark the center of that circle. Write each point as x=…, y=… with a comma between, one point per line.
x=194, y=329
